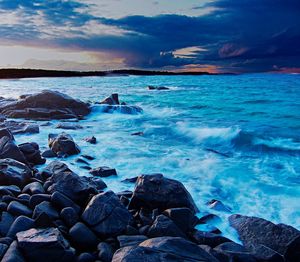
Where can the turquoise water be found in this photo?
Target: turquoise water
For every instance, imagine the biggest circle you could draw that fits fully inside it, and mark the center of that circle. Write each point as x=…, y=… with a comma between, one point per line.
x=231, y=138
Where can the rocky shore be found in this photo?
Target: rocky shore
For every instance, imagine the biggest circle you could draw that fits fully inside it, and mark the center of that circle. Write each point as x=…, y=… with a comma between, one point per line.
x=50, y=213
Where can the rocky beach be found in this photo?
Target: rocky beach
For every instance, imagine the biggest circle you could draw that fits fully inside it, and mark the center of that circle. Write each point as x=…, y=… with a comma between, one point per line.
x=51, y=213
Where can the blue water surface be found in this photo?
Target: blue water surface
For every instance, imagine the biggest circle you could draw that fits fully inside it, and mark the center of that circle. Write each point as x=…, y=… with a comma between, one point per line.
x=235, y=138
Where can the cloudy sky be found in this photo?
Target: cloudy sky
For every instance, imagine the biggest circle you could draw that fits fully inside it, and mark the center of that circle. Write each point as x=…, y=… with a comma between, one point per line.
x=185, y=35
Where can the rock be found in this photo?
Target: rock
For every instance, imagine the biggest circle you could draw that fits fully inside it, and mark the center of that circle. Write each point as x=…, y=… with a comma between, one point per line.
x=6, y=240
x=103, y=171
x=48, y=244
x=183, y=217
x=88, y=157
x=43, y=221
x=68, y=126
x=91, y=140
x=130, y=180
x=209, y=239
x=48, y=154
x=3, y=206
x=85, y=257
x=61, y=179
x=32, y=153
x=62, y=201
x=69, y=216
x=5, y=223
x=112, y=103
x=164, y=226
x=20, y=224
x=5, y=132
x=82, y=237
x=8, y=148
x=37, y=199
x=106, y=215
x=156, y=191
x=47, y=208
x=24, y=197
x=81, y=161
x=165, y=249
x=255, y=232
x=13, y=254
x=13, y=172
x=138, y=134
x=3, y=249
x=46, y=105
x=33, y=188
x=21, y=127
x=105, y=253
x=125, y=193
x=158, y=88
x=218, y=205
x=125, y=241
x=63, y=144
x=14, y=190
x=17, y=209
x=208, y=218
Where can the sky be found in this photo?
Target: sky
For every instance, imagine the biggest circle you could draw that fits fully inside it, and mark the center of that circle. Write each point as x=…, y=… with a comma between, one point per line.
x=218, y=36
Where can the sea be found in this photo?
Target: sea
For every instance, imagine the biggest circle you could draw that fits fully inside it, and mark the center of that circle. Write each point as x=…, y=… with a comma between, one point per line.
x=232, y=138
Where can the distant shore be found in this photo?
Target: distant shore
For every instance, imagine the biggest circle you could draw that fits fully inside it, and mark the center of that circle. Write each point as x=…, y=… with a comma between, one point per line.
x=35, y=73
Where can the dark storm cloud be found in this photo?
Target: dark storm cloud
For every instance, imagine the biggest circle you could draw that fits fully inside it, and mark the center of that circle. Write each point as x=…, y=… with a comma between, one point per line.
x=244, y=35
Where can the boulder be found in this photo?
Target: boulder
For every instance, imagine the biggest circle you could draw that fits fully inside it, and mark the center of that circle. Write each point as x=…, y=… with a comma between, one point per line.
x=209, y=239
x=62, y=178
x=255, y=232
x=68, y=126
x=69, y=216
x=46, y=208
x=3, y=248
x=92, y=140
x=22, y=223
x=14, y=190
x=61, y=201
x=46, y=105
x=103, y=171
x=32, y=153
x=5, y=223
x=13, y=172
x=105, y=253
x=34, y=188
x=82, y=237
x=106, y=215
x=158, y=88
x=125, y=241
x=17, y=209
x=164, y=249
x=63, y=144
x=13, y=254
x=46, y=245
x=111, y=100
x=156, y=191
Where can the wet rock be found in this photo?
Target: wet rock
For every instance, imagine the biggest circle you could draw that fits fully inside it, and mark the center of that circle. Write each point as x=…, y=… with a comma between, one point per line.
x=82, y=237
x=164, y=249
x=14, y=190
x=13, y=254
x=218, y=205
x=45, y=106
x=255, y=232
x=130, y=180
x=105, y=253
x=63, y=144
x=156, y=191
x=61, y=179
x=15, y=208
x=88, y=157
x=5, y=223
x=125, y=241
x=208, y=218
x=106, y=215
x=183, y=217
x=91, y=140
x=209, y=239
x=158, y=88
x=69, y=216
x=32, y=153
x=111, y=100
x=85, y=257
x=47, y=208
x=48, y=244
x=22, y=223
x=81, y=161
x=3, y=249
x=37, y=199
x=21, y=127
x=68, y=126
x=138, y=134
x=34, y=188
x=48, y=154
x=13, y=172
x=62, y=201
x=103, y=171
x=164, y=226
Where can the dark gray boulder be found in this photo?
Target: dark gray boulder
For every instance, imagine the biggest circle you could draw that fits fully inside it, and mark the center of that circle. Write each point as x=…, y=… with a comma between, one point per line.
x=13, y=254
x=63, y=144
x=103, y=171
x=105, y=253
x=69, y=216
x=156, y=191
x=32, y=153
x=45, y=106
x=61, y=201
x=3, y=248
x=255, y=232
x=106, y=215
x=164, y=249
x=46, y=245
x=46, y=208
x=17, y=209
x=34, y=188
x=82, y=237
x=5, y=222
x=17, y=127
x=125, y=240
x=13, y=172
x=209, y=239
x=22, y=223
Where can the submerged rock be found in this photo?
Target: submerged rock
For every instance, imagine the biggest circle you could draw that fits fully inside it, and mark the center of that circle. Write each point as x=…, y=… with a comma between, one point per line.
x=32, y=153
x=91, y=140
x=158, y=88
x=63, y=144
x=45, y=105
x=112, y=104
x=68, y=126
x=21, y=127
x=156, y=191
x=45, y=244
x=255, y=232
x=106, y=215
x=103, y=171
